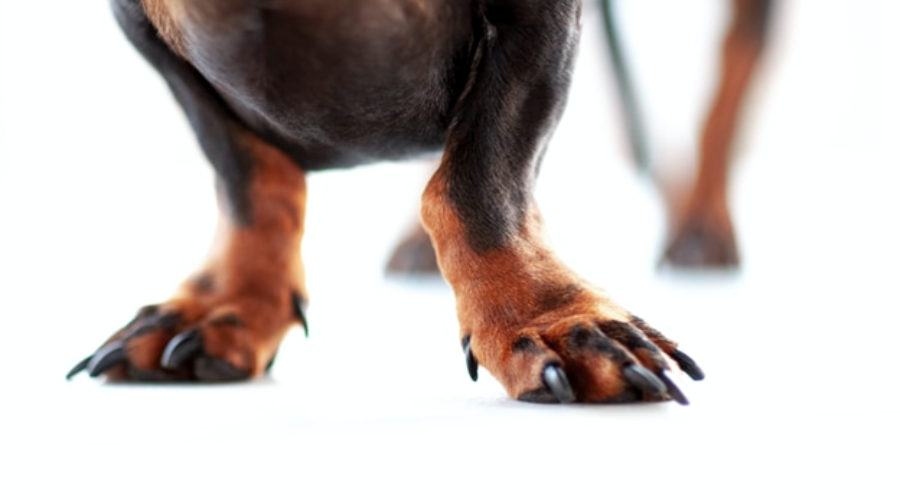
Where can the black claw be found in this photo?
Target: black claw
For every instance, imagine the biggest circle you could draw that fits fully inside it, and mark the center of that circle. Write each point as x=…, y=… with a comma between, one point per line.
x=644, y=380
x=300, y=311
x=153, y=321
x=688, y=365
x=77, y=368
x=555, y=379
x=184, y=346
x=673, y=390
x=471, y=362
x=108, y=356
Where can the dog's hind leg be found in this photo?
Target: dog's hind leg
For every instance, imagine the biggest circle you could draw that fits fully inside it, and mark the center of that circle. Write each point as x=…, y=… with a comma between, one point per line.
x=704, y=235
x=545, y=333
x=631, y=108
x=414, y=254
x=227, y=321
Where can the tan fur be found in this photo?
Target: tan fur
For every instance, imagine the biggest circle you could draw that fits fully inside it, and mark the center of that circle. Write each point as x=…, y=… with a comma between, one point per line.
x=242, y=297
x=164, y=15
x=740, y=55
x=521, y=290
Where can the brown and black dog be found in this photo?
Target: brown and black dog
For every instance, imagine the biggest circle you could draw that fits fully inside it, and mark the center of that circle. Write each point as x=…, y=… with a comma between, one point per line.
x=275, y=89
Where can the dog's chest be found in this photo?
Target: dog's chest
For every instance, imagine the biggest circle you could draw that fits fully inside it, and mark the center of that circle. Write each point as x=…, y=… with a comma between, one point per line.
x=337, y=81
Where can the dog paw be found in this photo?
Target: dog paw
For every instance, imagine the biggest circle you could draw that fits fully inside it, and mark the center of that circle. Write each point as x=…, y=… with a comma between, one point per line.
x=704, y=239
x=581, y=354
x=198, y=338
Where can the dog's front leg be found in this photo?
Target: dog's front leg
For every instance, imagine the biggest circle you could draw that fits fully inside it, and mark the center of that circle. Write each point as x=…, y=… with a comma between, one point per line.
x=541, y=330
x=227, y=321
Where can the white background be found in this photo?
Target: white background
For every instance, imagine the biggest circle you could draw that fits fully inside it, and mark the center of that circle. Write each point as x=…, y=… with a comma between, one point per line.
x=106, y=204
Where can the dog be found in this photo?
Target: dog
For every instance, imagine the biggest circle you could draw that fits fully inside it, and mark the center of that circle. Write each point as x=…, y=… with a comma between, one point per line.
x=278, y=89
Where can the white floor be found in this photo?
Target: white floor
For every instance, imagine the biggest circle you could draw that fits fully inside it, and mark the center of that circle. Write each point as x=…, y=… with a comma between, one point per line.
x=106, y=203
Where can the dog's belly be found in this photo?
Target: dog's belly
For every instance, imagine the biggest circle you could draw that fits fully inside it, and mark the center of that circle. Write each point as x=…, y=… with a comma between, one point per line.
x=333, y=83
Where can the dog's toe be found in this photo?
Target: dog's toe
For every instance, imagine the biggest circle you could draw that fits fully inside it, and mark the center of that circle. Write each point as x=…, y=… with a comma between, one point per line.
x=586, y=358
